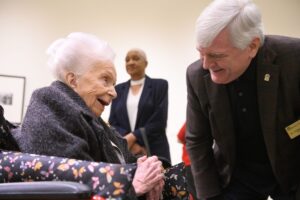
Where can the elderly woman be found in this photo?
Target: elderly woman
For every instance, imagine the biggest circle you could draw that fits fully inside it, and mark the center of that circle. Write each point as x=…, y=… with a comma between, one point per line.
x=140, y=111
x=63, y=119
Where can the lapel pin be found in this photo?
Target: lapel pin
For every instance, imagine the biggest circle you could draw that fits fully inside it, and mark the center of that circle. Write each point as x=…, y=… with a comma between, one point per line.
x=267, y=77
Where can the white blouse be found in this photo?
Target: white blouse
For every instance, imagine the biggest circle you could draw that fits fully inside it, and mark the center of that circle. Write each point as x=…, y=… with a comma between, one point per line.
x=133, y=102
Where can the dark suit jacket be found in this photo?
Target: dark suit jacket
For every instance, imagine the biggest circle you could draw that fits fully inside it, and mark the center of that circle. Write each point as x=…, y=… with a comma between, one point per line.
x=151, y=117
x=209, y=118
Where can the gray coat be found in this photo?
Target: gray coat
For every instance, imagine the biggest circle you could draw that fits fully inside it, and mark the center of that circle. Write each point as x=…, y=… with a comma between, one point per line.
x=59, y=123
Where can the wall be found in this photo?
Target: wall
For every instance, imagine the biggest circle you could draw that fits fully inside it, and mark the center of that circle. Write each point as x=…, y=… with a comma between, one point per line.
x=163, y=28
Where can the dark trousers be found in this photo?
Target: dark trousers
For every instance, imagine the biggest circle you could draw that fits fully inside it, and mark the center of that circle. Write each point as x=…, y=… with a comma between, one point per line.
x=238, y=190
x=190, y=182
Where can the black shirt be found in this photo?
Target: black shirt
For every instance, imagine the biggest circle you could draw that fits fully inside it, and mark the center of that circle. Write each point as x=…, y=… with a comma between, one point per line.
x=253, y=165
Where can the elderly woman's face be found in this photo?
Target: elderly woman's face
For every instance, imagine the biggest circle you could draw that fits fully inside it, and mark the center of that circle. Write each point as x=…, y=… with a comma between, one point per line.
x=96, y=86
x=135, y=65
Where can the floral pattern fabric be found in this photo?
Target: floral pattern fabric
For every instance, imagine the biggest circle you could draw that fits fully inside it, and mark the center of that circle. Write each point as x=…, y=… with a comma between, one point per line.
x=175, y=183
x=108, y=181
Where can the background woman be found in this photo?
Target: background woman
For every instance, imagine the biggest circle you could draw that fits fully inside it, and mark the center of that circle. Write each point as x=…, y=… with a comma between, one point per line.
x=141, y=108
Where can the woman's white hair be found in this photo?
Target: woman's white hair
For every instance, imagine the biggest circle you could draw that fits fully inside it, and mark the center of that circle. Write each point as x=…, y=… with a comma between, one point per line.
x=241, y=17
x=77, y=53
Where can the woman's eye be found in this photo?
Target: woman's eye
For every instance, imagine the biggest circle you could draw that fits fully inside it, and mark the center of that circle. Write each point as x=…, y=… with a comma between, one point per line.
x=104, y=80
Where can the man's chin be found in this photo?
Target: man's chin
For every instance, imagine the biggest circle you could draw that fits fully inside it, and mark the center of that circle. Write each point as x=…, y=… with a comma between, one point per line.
x=219, y=80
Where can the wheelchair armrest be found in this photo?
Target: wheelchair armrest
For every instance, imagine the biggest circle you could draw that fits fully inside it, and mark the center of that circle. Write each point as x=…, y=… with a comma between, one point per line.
x=57, y=190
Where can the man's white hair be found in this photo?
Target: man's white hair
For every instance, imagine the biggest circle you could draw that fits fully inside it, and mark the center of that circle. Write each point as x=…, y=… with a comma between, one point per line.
x=241, y=17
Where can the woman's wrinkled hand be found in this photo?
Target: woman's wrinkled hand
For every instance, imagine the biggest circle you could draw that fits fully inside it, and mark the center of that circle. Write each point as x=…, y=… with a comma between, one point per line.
x=156, y=192
x=148, y=176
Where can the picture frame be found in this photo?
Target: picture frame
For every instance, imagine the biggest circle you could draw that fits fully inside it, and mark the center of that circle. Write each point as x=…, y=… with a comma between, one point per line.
x=12, y=94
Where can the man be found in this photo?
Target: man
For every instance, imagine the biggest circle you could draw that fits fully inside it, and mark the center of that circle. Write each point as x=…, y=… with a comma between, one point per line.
x=243, y=107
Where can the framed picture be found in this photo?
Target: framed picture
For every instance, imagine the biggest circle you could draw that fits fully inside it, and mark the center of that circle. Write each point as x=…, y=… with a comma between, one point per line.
x=12, y=92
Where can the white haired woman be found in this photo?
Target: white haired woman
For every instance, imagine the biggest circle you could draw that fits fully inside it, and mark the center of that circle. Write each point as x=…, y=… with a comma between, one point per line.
x=64, y=120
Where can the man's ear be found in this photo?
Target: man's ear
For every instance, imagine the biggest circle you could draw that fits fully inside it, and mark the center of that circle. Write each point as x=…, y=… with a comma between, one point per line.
x=254, y=46
x=71, y=80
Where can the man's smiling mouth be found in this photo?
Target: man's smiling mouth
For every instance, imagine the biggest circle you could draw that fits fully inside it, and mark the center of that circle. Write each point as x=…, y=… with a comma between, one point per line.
x=217, y=70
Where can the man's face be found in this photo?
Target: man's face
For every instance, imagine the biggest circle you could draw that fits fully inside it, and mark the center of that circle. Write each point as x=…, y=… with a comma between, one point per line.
x=224, y=61
x=96, y=86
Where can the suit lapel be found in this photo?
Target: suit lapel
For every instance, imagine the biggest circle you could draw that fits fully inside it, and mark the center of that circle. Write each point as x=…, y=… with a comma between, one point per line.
x=267, y=91
x=124, y=111
x=144, y=97
x=221, y=109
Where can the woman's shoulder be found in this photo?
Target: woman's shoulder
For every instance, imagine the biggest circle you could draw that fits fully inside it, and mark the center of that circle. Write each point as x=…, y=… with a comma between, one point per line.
x=57, y=97
x=49, y=91
x=157, y=81
x=122, y=85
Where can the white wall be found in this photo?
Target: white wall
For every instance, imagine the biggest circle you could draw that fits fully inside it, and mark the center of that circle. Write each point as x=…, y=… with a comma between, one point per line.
x=163, y=28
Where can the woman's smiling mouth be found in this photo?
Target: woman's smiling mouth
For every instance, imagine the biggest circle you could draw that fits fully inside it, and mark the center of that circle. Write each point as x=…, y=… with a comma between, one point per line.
x=104, y=103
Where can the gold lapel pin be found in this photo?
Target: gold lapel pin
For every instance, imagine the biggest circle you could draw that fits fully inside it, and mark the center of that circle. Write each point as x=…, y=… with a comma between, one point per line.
x=267, y=77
